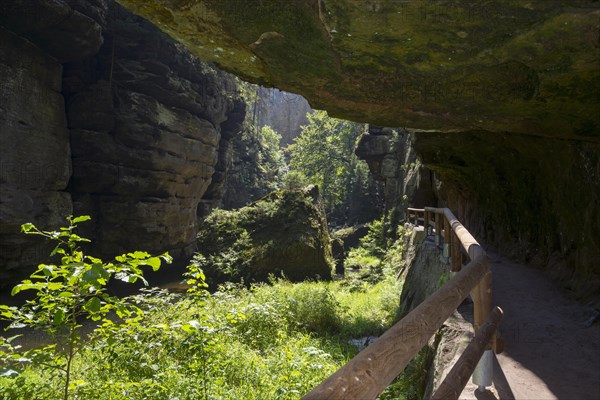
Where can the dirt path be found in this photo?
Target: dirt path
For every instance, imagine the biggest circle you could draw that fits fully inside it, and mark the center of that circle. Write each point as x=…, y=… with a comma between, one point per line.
x=549, y=352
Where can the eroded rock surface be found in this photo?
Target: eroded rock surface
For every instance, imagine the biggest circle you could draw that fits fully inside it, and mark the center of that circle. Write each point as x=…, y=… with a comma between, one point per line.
x=502, y=98
x=146, y=131
x=103, y=114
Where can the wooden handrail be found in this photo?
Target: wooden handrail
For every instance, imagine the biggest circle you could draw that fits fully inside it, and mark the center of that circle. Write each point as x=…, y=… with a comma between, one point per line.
x=457, y=378
x=367, y=374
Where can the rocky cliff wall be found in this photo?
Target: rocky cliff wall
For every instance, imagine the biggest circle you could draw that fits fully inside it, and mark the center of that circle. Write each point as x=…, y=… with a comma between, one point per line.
x=535, y=199
x=145, y=131
x=393, y=161
x=282, y=111
x=36, y=37
x=103, y=114
x=35, y=154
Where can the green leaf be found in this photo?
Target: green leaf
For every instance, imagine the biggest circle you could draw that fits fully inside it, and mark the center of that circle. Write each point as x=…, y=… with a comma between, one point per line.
x=26, y=286
x=154, y=262
x=66, y=294
x=47, y=269
x=191, y=326
x=82, y=218
x=54, y=285
x=27, y=227
x=58, y=317
x=140, y=255
x=92, y=305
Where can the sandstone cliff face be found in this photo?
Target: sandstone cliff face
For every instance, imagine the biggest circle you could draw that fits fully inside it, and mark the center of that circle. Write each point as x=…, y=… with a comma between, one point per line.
x=35, y=156
x=282, y=111
x=393, y=160
x=145, y=131
x=103, y=114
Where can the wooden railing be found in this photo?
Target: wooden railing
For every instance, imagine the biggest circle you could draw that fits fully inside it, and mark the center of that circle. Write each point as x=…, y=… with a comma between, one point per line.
x=367, y=374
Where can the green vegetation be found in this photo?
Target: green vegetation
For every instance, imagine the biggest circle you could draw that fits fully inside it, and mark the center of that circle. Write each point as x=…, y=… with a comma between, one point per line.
x=324, y=155
x=267, y=341
x=379, y=253
x=66, y=293
x=283, y=233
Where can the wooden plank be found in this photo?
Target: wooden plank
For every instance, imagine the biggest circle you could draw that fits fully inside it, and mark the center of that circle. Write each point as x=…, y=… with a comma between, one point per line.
x=438, y=229
x=467, y=240
x=482, y=301
x=373, y=369
x=457, y=378
x=455, y=253
x=447, y=237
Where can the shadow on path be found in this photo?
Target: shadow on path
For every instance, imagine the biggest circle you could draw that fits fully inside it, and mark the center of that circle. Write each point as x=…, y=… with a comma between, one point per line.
x=549, y=353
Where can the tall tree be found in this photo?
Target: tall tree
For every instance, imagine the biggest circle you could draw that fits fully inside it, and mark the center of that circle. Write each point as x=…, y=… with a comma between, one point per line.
x=324, y=153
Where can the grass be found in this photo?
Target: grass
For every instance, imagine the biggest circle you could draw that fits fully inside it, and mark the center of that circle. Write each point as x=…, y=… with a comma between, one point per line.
x=270, y=341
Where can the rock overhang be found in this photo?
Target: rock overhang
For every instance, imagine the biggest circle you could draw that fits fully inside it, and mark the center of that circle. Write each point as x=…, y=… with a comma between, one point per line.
x=527, y=67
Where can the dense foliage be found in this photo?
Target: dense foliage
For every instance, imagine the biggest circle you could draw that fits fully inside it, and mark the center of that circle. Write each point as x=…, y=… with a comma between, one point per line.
x=267, y=341
x=324, y=154
x=66, y=293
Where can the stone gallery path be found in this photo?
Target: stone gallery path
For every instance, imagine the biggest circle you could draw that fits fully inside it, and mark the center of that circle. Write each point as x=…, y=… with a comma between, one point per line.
x=549, y=352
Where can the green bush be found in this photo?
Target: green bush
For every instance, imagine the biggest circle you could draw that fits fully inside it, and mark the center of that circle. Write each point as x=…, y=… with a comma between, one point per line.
x=267, y=341
x=64, y=294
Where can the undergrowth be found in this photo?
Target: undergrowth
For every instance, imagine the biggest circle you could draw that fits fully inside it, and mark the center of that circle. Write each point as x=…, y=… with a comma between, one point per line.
x=267, y=341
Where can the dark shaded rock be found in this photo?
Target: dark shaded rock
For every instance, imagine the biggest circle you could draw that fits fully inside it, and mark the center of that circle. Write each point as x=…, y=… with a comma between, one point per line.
x=351, y=236
x=215, y=194
x=425, y=270
x=65, y=30
x=338, y=254
x=443, y=70
x=35, y=163
x=524, y=66
x=149, y=123
x=392, y=160
x=535, y=199
x=283, y=233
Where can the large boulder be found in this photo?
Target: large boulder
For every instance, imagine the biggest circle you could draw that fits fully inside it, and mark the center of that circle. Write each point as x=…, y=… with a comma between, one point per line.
x=283, y=233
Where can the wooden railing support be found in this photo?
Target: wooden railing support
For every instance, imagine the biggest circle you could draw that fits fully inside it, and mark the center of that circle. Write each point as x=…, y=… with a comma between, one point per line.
x=455, y=254
x=457, y=378
x=438, y=230
x=447, y=239
x=373, y=369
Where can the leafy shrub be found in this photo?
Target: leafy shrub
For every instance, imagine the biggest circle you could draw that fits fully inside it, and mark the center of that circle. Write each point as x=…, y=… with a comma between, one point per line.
x=65, y=293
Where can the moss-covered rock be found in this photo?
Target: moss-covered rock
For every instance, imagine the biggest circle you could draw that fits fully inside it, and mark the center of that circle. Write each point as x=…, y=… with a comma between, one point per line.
x=283, y=233
x=518, y=66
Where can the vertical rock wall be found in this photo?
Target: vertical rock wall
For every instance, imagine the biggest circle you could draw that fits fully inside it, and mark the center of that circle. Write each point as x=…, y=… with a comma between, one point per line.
x=392, y=160
x=103, y=114
x=145, y=119
x=36, y=36
x=34, y=149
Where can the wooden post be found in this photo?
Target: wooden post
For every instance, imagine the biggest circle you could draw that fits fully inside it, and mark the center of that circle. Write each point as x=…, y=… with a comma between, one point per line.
x=482, y=300
x=455, y=254
x=457, y=378
x=447, y=236
x=438, y=229
x=373, y=369
x=426, y=221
